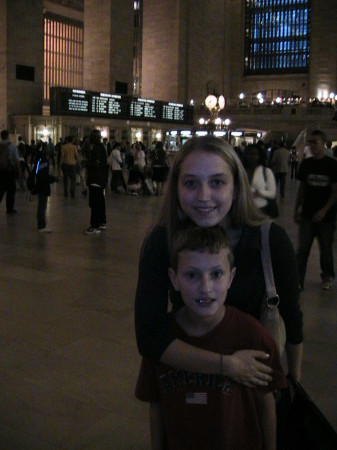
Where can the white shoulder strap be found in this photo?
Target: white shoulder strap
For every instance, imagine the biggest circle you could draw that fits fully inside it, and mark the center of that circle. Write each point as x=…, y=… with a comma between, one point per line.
x=266, y=260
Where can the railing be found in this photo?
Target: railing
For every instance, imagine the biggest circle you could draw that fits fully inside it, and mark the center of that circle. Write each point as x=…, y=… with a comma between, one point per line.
x=301, y=112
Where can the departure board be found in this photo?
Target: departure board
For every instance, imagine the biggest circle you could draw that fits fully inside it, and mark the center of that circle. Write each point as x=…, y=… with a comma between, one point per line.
x=141, y=108
x=66, y=101
x=174, y=111
x=77, y=102
x=111, y=105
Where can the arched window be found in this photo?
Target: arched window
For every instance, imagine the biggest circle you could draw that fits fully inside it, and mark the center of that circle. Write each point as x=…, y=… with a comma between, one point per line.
x=63, y=53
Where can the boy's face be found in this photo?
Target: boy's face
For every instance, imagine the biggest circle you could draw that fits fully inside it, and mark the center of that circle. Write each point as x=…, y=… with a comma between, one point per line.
x=203, y=280
x=316, y=144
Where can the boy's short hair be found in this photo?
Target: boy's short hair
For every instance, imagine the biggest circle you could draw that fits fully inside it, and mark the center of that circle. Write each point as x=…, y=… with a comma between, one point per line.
x=194, y=238
x=319, y=133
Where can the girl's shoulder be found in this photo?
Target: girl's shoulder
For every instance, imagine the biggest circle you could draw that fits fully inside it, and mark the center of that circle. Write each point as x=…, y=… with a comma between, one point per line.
x=251, y=234
x=155, y=243
x=158, y=233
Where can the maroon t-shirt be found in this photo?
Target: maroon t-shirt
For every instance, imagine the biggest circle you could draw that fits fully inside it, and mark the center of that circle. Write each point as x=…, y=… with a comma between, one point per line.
x=210, y=411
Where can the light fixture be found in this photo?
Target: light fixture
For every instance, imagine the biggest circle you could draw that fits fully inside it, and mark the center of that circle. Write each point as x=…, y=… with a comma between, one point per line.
x=220, y=133
x=138, y=135
x=211, y=102
x=227, y=123
x=215, y=104
x=221, y=102
x=158, y=136
x=104, y=134
x=241, y=96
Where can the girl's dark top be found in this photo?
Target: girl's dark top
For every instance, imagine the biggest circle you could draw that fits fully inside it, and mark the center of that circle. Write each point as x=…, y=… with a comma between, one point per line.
x=247, y=291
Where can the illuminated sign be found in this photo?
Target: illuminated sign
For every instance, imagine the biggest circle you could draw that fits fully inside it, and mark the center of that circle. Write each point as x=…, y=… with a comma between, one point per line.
x=78, y=102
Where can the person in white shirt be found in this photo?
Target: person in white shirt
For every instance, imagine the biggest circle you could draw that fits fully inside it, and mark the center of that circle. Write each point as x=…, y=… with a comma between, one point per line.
x=279, y=163
x=139, y=157
x=261, y=178
x=117, y=183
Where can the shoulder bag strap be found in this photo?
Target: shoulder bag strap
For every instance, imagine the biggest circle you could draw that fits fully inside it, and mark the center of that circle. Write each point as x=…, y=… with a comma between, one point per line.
x=267, y=264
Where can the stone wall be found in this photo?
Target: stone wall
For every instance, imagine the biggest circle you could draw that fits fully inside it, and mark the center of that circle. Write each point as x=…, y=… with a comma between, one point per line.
x=3, y=66
x=25, y=48
x=323, y=58
x=108, y=44
x=183, y=44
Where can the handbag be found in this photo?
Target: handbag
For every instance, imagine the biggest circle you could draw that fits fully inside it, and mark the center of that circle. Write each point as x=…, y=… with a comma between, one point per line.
x=308, y=429
x=270, y=316
x=272, y=209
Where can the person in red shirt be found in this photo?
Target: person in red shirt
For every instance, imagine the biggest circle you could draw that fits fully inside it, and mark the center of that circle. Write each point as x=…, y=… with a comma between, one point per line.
x=200, y=411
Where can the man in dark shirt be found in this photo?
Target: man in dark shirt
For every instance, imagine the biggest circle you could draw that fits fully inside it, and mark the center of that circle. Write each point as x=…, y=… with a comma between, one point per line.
x=315, y=208
x=96, y=181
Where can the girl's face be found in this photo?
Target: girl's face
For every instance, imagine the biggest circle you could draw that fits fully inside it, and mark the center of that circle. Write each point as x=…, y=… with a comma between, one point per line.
x=205, y=188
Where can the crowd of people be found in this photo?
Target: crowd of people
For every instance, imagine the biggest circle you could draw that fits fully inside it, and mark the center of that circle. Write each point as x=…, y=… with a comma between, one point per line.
x=89, y=163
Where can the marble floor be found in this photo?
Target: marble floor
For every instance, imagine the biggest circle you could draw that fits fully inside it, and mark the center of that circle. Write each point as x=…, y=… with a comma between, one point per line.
x=68, y=358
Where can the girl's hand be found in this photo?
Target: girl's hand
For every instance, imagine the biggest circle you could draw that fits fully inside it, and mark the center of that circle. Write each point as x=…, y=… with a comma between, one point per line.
x=245, y=368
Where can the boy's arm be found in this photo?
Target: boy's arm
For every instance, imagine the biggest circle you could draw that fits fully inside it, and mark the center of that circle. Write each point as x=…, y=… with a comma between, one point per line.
x=266, y=411
x=158, y=437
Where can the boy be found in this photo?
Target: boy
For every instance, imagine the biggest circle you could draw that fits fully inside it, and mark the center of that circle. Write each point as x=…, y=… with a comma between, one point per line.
x=208, y=411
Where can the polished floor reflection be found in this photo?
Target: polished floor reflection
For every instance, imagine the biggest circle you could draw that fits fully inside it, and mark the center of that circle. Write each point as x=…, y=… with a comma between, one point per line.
x=68, y=358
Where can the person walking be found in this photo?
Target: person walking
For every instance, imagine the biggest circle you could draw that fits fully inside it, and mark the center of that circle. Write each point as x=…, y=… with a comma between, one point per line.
x=279, y=164
x=69, y=159
x=51, y=152
x=261, y=178
x=315, y=208
x=96, y=181
x=117, y=182
x=159, y=166
x=293, y=162
x=42, y=190
x=9, y=171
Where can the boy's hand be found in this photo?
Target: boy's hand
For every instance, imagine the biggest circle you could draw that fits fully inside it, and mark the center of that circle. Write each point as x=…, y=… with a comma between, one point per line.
x=245, y=368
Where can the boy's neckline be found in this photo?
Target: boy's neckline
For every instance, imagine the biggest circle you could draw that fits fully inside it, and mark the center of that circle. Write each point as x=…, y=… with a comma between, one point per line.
x=195, y=326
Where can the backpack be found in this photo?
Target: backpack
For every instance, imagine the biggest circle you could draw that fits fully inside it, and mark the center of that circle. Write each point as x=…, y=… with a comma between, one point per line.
x=4, y=155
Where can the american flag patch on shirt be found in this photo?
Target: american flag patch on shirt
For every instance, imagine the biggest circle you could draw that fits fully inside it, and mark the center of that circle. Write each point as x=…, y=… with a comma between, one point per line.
x=196, y=398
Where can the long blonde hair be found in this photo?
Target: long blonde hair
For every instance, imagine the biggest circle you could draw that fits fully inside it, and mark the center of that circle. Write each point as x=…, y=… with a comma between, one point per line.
x=243, y=210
